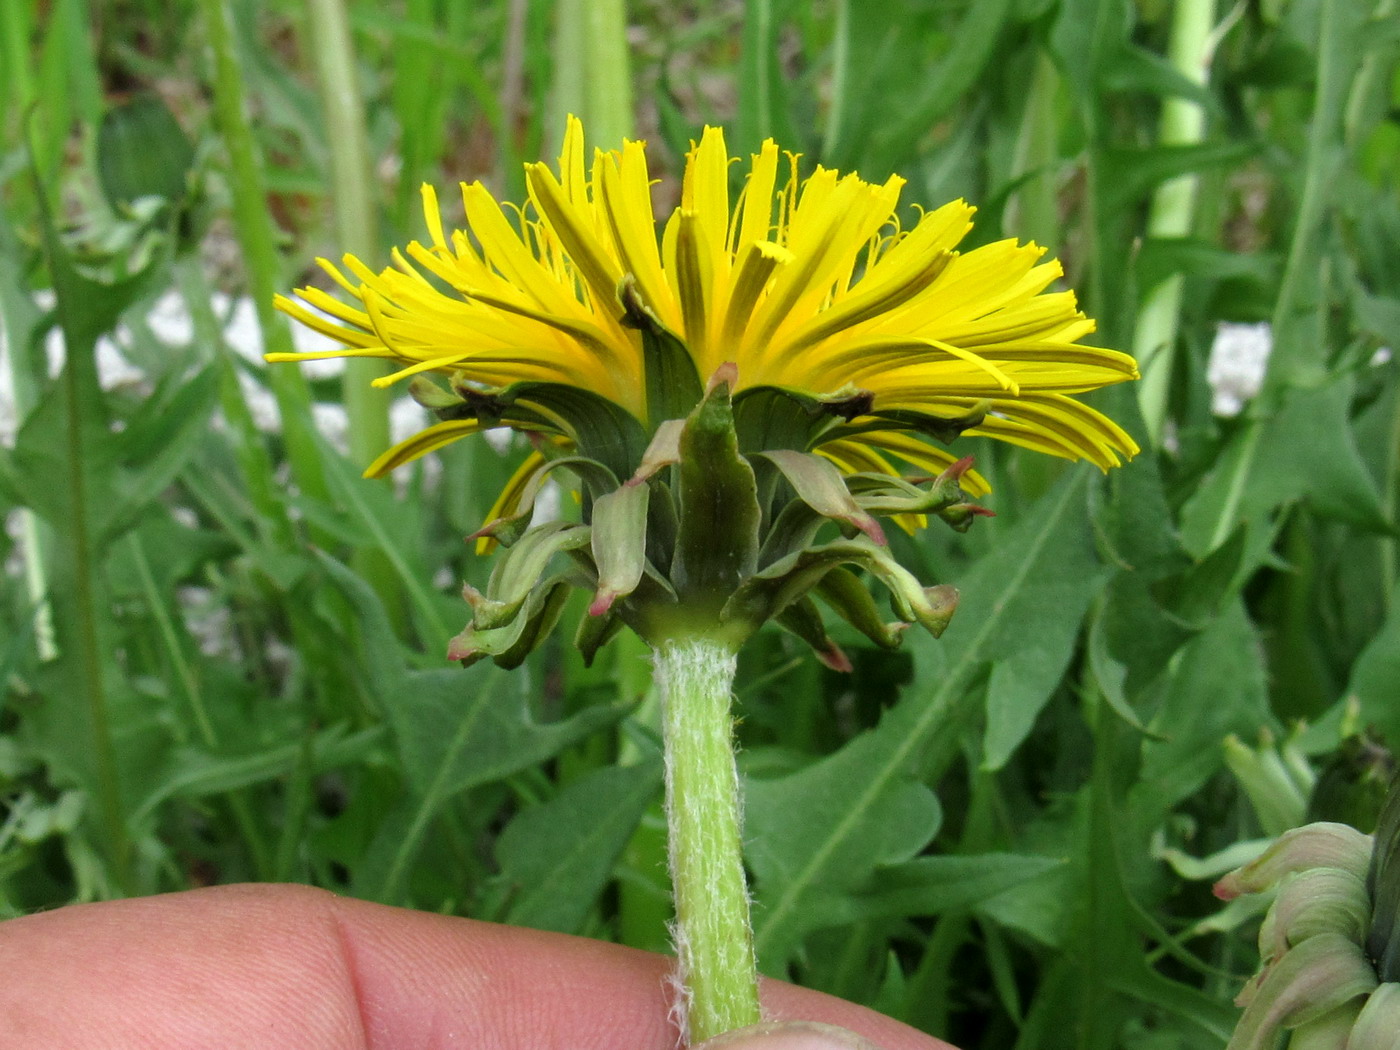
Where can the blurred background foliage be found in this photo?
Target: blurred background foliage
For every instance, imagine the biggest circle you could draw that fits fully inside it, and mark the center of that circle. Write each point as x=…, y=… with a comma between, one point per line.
x=221, y=650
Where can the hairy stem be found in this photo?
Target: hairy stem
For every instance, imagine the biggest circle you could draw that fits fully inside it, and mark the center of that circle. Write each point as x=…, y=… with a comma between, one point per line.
x=714, y=939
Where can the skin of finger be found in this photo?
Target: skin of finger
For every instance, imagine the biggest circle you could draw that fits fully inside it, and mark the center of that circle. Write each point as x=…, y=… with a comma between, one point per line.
x=293, y=968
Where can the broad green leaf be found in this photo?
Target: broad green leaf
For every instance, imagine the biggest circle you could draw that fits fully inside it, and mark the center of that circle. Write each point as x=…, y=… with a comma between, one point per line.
x=976, y=37
x=123, y=472
x=1110, y=672
x=830, y=804
x=1133, y=635
x=1195, y=596
x=453, y=729
x=1305, y=451
x=156, y=444
x=1375, y=674
x=374, y=510
x=195, y=774
x=556, y=857
x=1216, y=688
x=1131, y=175
x=935, y=885
x=1029, y=639
x=1029, y=584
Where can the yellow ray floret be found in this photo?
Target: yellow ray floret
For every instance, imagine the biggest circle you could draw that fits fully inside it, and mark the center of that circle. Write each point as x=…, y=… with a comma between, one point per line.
x=809, y=284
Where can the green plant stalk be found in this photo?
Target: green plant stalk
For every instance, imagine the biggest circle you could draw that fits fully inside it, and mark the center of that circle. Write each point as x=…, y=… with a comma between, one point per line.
x=1172, y=211
x=609, y=80
x=755, y=118
x=567, y=94
x=1034, y=210
x=840, y=78
x=16, y=31
x=1288, y=364
x=352, y=196
x=512, y=89
x=592, y=71
x=357, y=232
x=714, y=938
x=257, y=238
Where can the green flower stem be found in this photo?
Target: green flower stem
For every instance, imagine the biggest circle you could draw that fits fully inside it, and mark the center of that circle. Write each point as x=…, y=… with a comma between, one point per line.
x=1173, y=207
x=17, y=90
x=357, y=233
x=714, y=940
x=593, y=71
x=356, y=218
x=258, y=239
x=1035, y=209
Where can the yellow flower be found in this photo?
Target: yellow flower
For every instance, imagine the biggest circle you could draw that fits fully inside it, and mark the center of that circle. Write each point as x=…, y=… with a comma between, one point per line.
x=809, y=286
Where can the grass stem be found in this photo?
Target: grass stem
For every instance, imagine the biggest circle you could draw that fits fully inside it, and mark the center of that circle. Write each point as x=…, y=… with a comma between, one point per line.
x=1033, y=213
x=353, y=204
x=592, y=70
x=1172, y=212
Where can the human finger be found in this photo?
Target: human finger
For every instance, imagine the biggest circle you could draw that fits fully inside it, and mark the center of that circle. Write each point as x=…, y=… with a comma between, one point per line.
x=294, y=968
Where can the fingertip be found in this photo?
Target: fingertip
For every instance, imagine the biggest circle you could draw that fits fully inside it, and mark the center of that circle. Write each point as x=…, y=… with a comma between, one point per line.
x=789, y=1035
